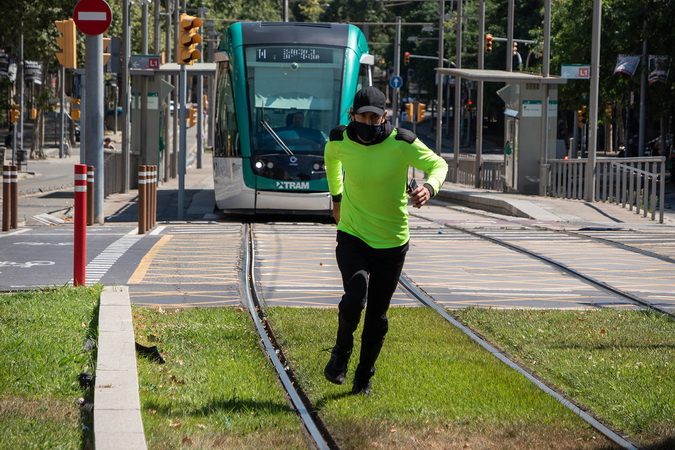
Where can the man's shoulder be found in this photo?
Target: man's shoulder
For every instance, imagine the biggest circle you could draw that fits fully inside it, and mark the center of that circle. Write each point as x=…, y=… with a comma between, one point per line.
x=405, y=135
x=337, y=133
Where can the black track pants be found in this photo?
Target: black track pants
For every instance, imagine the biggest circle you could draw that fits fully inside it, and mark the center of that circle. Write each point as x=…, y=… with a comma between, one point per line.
x=369, y=277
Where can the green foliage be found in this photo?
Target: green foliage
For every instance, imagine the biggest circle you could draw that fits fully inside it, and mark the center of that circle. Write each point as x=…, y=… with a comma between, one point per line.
x=42, y=340
x=617, y=363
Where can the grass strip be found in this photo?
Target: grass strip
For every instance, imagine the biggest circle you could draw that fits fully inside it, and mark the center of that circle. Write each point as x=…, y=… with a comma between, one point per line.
x=216, y=389
x=619, y=364
x=42, y=343
x=434, y=388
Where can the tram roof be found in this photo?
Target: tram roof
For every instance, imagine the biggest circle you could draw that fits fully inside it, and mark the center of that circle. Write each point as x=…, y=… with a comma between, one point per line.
x=501, y=76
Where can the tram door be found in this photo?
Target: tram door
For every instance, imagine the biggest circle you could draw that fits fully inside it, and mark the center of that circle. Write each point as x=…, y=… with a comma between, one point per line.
x=511, y=152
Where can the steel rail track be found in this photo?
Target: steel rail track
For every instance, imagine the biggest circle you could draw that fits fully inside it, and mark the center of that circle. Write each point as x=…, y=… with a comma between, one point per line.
x=619, y=439
x=316, y=431
x=579, y=233
x=575, y=273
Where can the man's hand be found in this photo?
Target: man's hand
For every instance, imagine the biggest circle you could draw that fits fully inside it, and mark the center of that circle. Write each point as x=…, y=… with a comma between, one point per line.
x=419, y=196
x=336, y=212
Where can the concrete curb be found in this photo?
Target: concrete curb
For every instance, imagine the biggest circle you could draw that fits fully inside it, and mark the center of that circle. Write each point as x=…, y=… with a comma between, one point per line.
x=117, y=405
x=495, y=204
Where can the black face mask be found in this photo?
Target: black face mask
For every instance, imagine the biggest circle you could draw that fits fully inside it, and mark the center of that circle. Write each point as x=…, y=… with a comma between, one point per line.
x=367, y=132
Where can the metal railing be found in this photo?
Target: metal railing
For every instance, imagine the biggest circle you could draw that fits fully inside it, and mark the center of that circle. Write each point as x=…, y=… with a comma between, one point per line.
x=491, y=173
x=636, y=183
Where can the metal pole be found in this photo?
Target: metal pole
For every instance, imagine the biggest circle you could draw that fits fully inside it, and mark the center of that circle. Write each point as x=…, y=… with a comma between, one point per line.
x=593, y=101
x=397, y=73
x=62, y=100
x=18, y=134
x=543, y=147
x=200, y=120
x=182, y=151
x=547, y=39
x=168, y=138
x=509, y=37
x=440, y=78
x=458, y=92
x=157, y=30
x=643, y=97
x=126, y=97
x=479, y=96
x=94, y=119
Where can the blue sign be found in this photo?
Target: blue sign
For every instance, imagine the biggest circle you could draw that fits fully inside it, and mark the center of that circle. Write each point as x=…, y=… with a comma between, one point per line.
x=396, y=82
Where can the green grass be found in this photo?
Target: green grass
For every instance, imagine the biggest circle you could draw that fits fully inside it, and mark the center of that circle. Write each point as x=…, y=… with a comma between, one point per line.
x=620, y=364
x=42, y=337
x=216, y=388
x=434, y=388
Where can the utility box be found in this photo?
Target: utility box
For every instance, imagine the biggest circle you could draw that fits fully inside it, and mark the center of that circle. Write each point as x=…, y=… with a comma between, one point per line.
x=523, y=115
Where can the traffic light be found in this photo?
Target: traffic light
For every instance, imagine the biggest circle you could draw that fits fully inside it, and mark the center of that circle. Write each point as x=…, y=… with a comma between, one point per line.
x=406, y=58
x=14, y=114
x=106, y=56
x=192, y=117
x=582, y=116
x=75, y=108
x=515, y=48
x=421, y=110
x=410, y=112
x=188, y=39
x=488, y=43
x=67, y=42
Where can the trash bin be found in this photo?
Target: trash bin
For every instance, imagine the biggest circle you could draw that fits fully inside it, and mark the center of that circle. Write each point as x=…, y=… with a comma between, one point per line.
x=21, y=157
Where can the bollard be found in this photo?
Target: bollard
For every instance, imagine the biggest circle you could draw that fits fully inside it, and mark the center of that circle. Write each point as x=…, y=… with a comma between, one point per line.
x=80, y=241
x=90, y=195
x=153, y=198
x=6, y=198
x=14, y=194
x=142, y=200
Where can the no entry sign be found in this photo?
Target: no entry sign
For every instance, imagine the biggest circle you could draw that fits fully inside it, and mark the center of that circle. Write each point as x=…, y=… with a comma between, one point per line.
x=92, y=17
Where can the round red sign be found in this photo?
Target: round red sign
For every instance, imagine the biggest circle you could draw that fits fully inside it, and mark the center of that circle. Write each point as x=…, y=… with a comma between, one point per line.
x=92, y=17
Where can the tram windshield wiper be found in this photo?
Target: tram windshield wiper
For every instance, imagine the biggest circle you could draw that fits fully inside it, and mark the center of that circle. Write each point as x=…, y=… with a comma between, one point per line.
x=276, y=137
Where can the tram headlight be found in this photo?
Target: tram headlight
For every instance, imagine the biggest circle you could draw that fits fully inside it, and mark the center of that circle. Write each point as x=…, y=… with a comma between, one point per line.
x=258, y=165
x=270, y=165
x=318, y=166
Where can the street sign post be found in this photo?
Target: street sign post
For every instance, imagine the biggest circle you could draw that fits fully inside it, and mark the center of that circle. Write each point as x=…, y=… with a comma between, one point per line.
x=92, y=17
x=395, y=82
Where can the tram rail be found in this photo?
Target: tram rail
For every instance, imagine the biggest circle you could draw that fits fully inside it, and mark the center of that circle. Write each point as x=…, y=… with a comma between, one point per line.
x=316, y=431
x=426, y=300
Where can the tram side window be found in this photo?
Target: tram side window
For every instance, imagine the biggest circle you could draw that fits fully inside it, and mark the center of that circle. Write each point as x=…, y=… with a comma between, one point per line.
x=226, y=139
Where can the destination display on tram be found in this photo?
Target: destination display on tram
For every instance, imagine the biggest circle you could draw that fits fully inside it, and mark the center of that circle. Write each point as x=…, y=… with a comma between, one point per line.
x=294, y=54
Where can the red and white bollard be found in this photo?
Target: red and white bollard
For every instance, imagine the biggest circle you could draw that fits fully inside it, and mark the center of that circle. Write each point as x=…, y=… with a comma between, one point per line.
x=80, y=256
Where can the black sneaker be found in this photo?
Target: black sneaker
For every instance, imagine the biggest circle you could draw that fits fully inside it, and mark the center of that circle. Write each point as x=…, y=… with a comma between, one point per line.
x=361, y=388
x=336, y=369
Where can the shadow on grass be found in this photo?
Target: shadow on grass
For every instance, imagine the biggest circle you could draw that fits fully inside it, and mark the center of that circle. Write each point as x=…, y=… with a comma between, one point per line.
x=323, y=401
x=231, y=405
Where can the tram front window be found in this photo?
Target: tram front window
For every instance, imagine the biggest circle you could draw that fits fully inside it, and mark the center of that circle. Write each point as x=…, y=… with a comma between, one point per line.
x=294, y=94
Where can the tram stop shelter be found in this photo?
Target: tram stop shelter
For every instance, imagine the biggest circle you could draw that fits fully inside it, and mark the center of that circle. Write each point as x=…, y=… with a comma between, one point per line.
x=154, y=127
x=529, y=141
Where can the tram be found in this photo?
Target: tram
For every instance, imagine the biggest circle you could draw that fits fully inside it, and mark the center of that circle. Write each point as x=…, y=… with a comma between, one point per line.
x=281, y=88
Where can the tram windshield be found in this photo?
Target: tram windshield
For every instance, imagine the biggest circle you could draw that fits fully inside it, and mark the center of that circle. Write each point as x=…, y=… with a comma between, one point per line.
x=294, y=94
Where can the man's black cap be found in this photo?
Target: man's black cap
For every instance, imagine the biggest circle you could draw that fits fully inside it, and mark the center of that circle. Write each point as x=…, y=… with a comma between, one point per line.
x=369, y=99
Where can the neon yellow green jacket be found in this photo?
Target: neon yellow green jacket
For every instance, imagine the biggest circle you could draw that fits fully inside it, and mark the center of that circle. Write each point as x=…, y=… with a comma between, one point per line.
x=372, y=179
